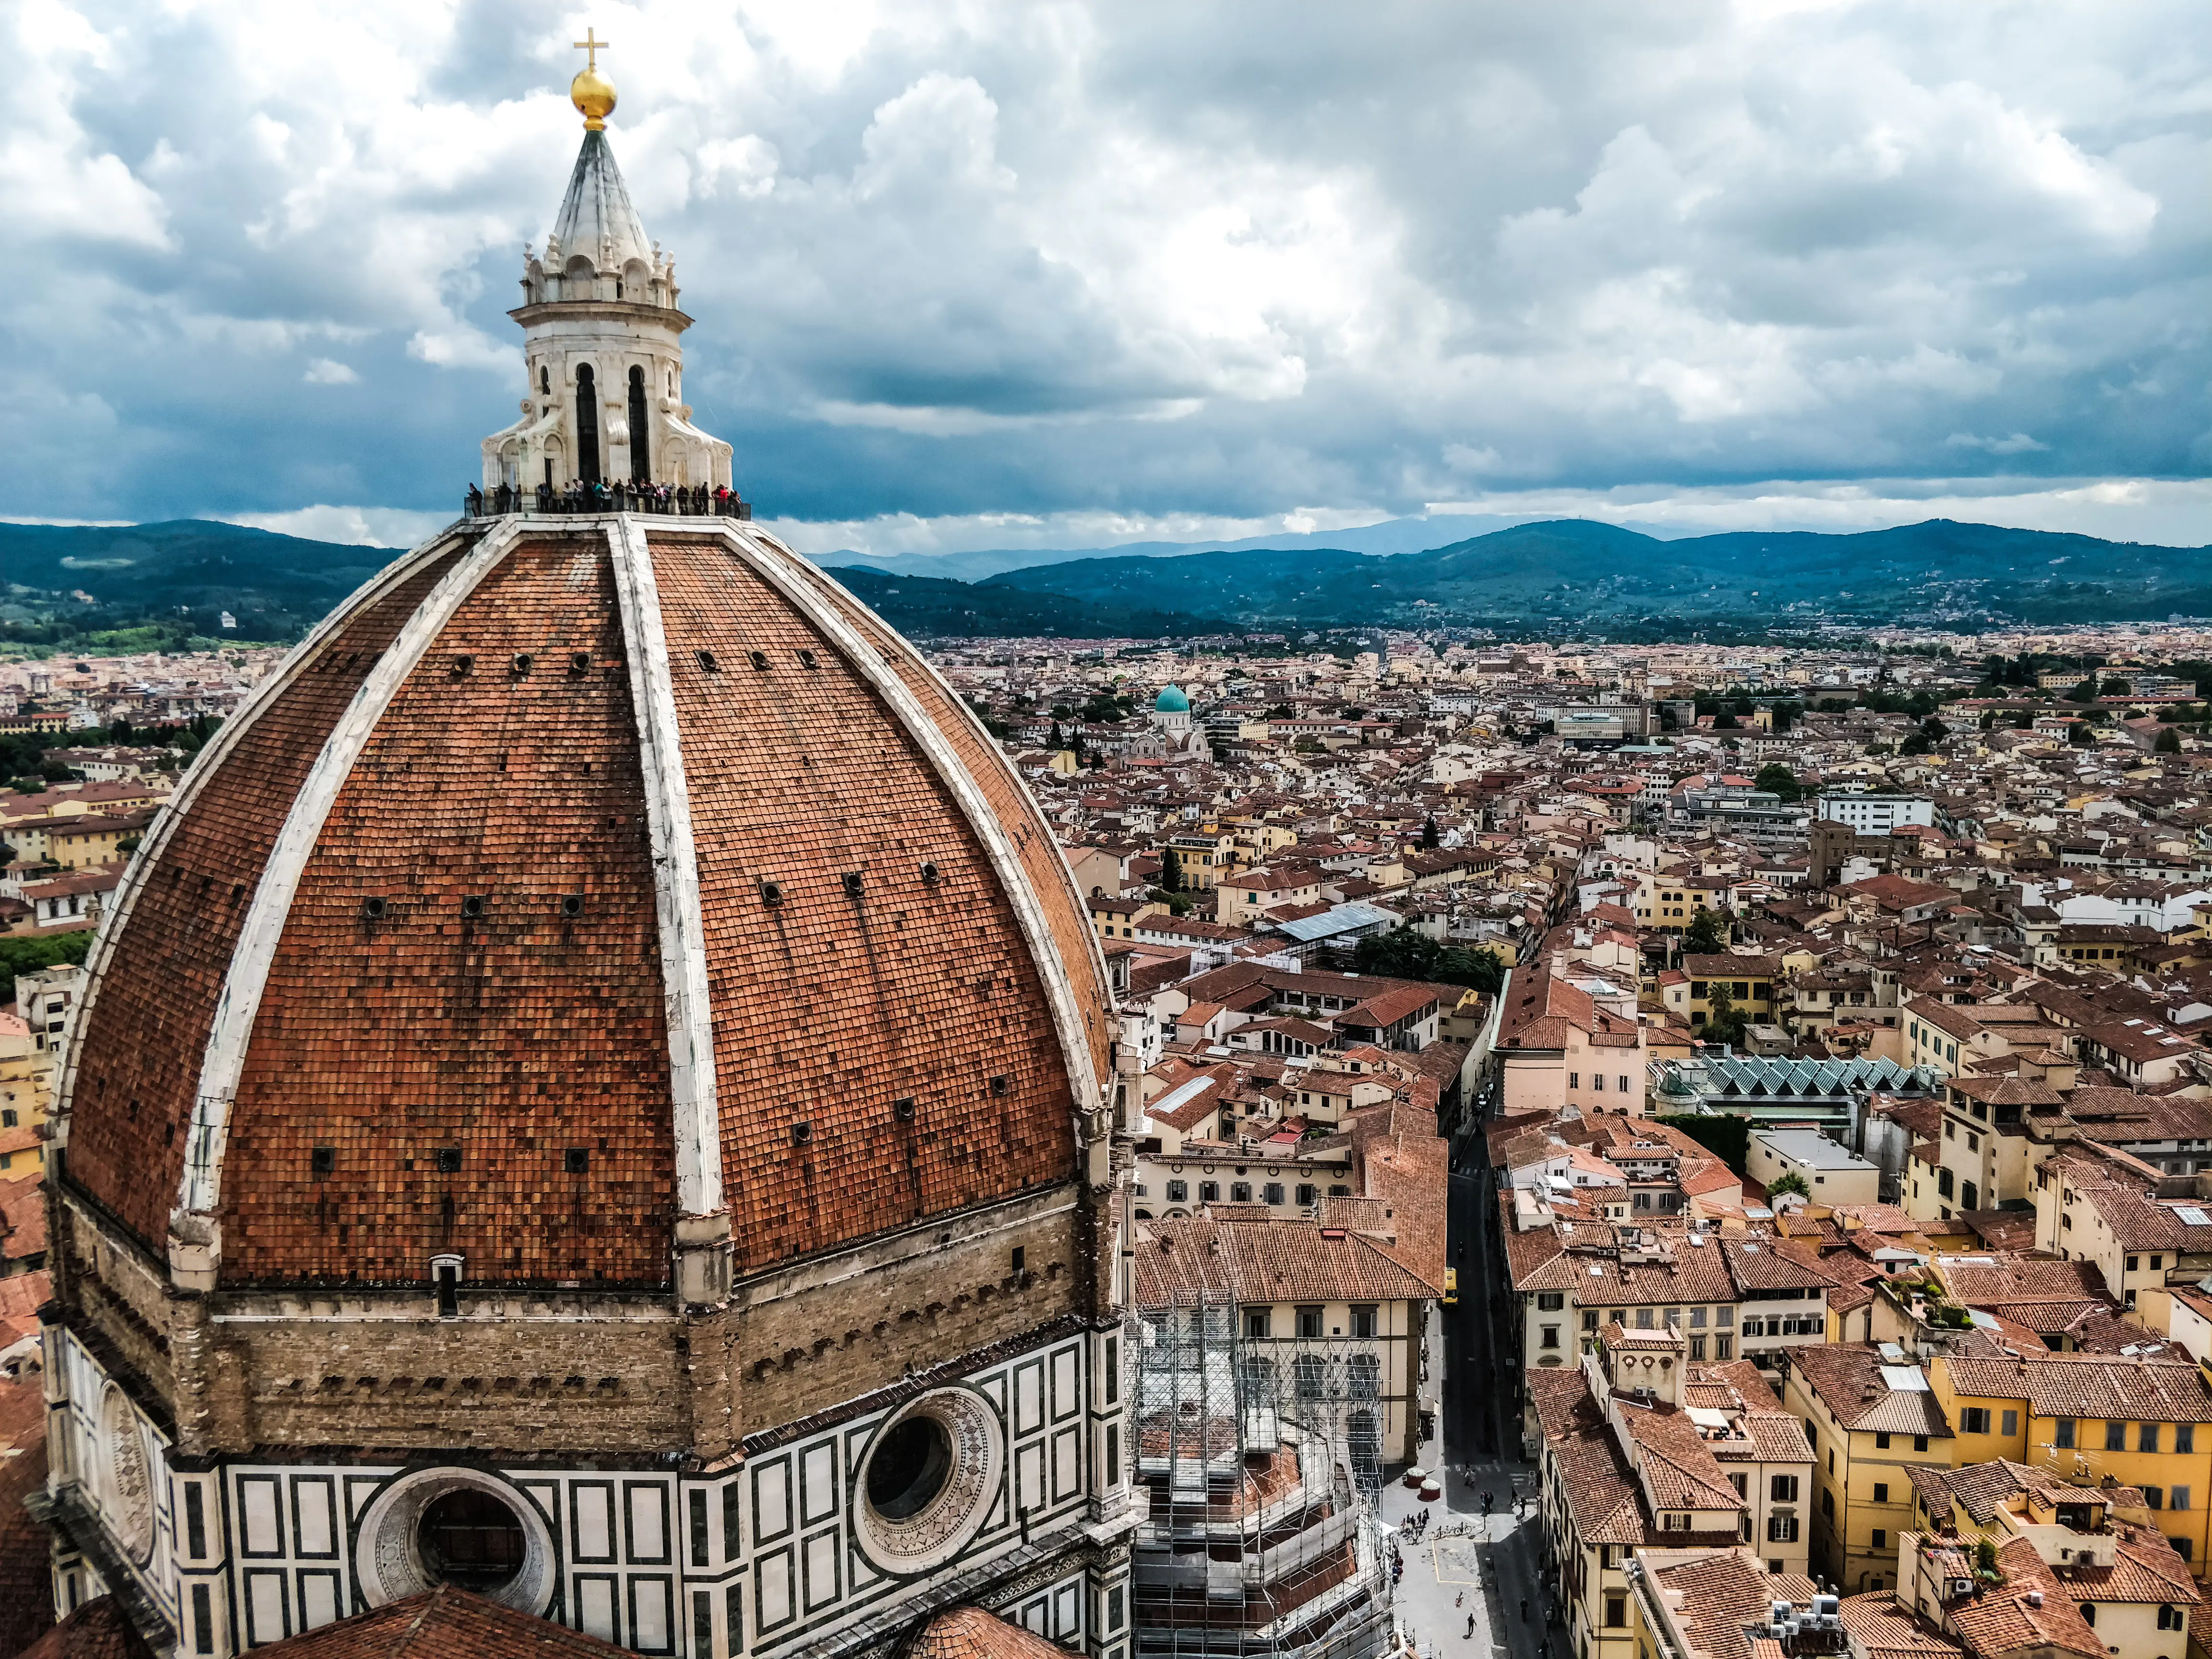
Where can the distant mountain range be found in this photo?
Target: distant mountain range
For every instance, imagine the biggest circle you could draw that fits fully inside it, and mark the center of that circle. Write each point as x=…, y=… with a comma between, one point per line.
x=1580, y=575
x=1563, y=574
x=182, y=574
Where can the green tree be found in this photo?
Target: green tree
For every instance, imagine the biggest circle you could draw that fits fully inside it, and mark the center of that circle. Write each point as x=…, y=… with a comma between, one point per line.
x=1404, y=953
x=2079, y=734
x=2116, y=687
x=1170, y=870
x=28, y=955
x=1478, y=969
x=1726, y=721
x=1782, y=1186
x=1724, y=1021
x=1780, y=780
x=1705, y=936
x=1428, y=836
x=2085, y=692
x=2169, y=742
x=1723, y=1134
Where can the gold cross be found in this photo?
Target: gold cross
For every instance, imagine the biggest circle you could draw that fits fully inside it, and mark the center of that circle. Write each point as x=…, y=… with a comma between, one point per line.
x=591, y=47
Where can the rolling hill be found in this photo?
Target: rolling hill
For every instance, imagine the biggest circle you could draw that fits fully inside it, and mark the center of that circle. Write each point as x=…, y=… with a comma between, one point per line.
x=172, y=580
x=1577, y=572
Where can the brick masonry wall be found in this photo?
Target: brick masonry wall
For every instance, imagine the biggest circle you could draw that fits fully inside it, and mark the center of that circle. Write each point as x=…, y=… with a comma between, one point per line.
x=134, y=1089
x=810, y=1350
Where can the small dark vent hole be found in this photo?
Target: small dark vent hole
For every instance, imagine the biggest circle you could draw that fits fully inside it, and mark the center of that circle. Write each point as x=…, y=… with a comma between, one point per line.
x=809, y=659
x=929, y=873
x=852, y=883
x=903, y=1109
x=802, y=1132
x=709, y=663
x=521, y=664
x=371, y=909
x=449, y=1159
x=577, y=1160
x=472, y=907
x=1002, y=1083
x=760, y=660
x=322, y=1160
x=462, y=666
x=771, y=893
x=579, y=664
x=572, y=905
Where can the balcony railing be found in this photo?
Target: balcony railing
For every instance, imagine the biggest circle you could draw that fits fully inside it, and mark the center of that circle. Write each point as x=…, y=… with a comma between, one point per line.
x=620, y=496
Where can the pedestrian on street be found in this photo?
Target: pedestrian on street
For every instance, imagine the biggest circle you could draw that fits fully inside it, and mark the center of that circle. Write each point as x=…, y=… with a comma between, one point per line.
x=1470, y=1627
x=1524, y=1609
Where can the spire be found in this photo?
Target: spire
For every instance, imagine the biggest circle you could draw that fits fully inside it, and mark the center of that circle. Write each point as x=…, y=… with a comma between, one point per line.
x=596, y=219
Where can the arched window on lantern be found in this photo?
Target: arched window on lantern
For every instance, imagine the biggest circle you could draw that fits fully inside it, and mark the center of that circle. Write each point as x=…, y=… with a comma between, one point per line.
x=587, y=424
x=641, y=455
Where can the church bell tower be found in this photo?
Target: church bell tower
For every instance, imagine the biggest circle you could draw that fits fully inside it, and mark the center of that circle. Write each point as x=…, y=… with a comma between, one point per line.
x=602, y=339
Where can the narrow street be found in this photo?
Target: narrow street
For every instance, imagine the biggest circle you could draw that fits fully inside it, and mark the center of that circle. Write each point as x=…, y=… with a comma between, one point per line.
x=1492, y=1567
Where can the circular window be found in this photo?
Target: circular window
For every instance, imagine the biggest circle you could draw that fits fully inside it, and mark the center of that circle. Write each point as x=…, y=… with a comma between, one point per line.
x=466, y=1528
x=471, y=1540
x=926, y=1483
x=125, y=1486
x=909, y=1469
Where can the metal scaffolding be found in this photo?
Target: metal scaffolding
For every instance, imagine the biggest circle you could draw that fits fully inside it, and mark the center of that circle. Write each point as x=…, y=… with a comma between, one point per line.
x=1262, y=1536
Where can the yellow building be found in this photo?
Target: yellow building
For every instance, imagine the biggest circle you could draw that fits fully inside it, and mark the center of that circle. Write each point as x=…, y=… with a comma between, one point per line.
x=1872, y=1418
x=2086, y=1417
x=26, y=1078
x=2094, y=1545
x=2098, y=1205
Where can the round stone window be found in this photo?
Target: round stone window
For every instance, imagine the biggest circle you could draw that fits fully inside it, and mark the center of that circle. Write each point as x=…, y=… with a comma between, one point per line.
x=909, y=1469
x=465, y=1527
x=126, y=1481
x=927, y=1482
x=471, y=1539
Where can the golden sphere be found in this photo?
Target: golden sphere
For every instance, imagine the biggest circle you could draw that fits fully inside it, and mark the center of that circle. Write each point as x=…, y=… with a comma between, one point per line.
x=592, y=93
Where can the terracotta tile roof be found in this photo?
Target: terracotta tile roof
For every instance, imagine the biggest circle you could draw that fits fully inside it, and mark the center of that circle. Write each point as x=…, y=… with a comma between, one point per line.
x=2091, y=1386
x=1678, y=1466
x=22, y=1218
x=1721, y=1592
x=972, y=1633
x=1847, y=1376
x=2001, y=1621
x=1880, y=1629
x=2010, y=1281
x=1263, y=1261
x=518, y=1038
x=97, y=1630
x=1761, y=1265
x=159, y=993
x=27, y=1585
x=2146, y=1569
x=1603, y=1501
x=445, y=1623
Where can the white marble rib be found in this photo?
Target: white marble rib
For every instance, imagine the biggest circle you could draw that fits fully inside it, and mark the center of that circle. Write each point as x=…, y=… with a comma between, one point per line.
x=691, y=1085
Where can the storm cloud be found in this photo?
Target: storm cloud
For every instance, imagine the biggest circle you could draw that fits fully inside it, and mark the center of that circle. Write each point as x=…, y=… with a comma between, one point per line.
x=973, y=274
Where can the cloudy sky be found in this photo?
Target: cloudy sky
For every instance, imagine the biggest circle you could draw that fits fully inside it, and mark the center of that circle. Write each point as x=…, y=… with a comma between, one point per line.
x=1043, y=274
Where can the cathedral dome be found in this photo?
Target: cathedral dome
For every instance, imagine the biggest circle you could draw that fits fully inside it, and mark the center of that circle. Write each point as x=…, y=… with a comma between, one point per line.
x=582, y=888
x=1172, y=701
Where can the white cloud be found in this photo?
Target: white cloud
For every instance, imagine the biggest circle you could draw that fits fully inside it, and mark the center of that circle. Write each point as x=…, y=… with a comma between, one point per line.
x=1077, y=265
x=2018, y=444
x=354, y=526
